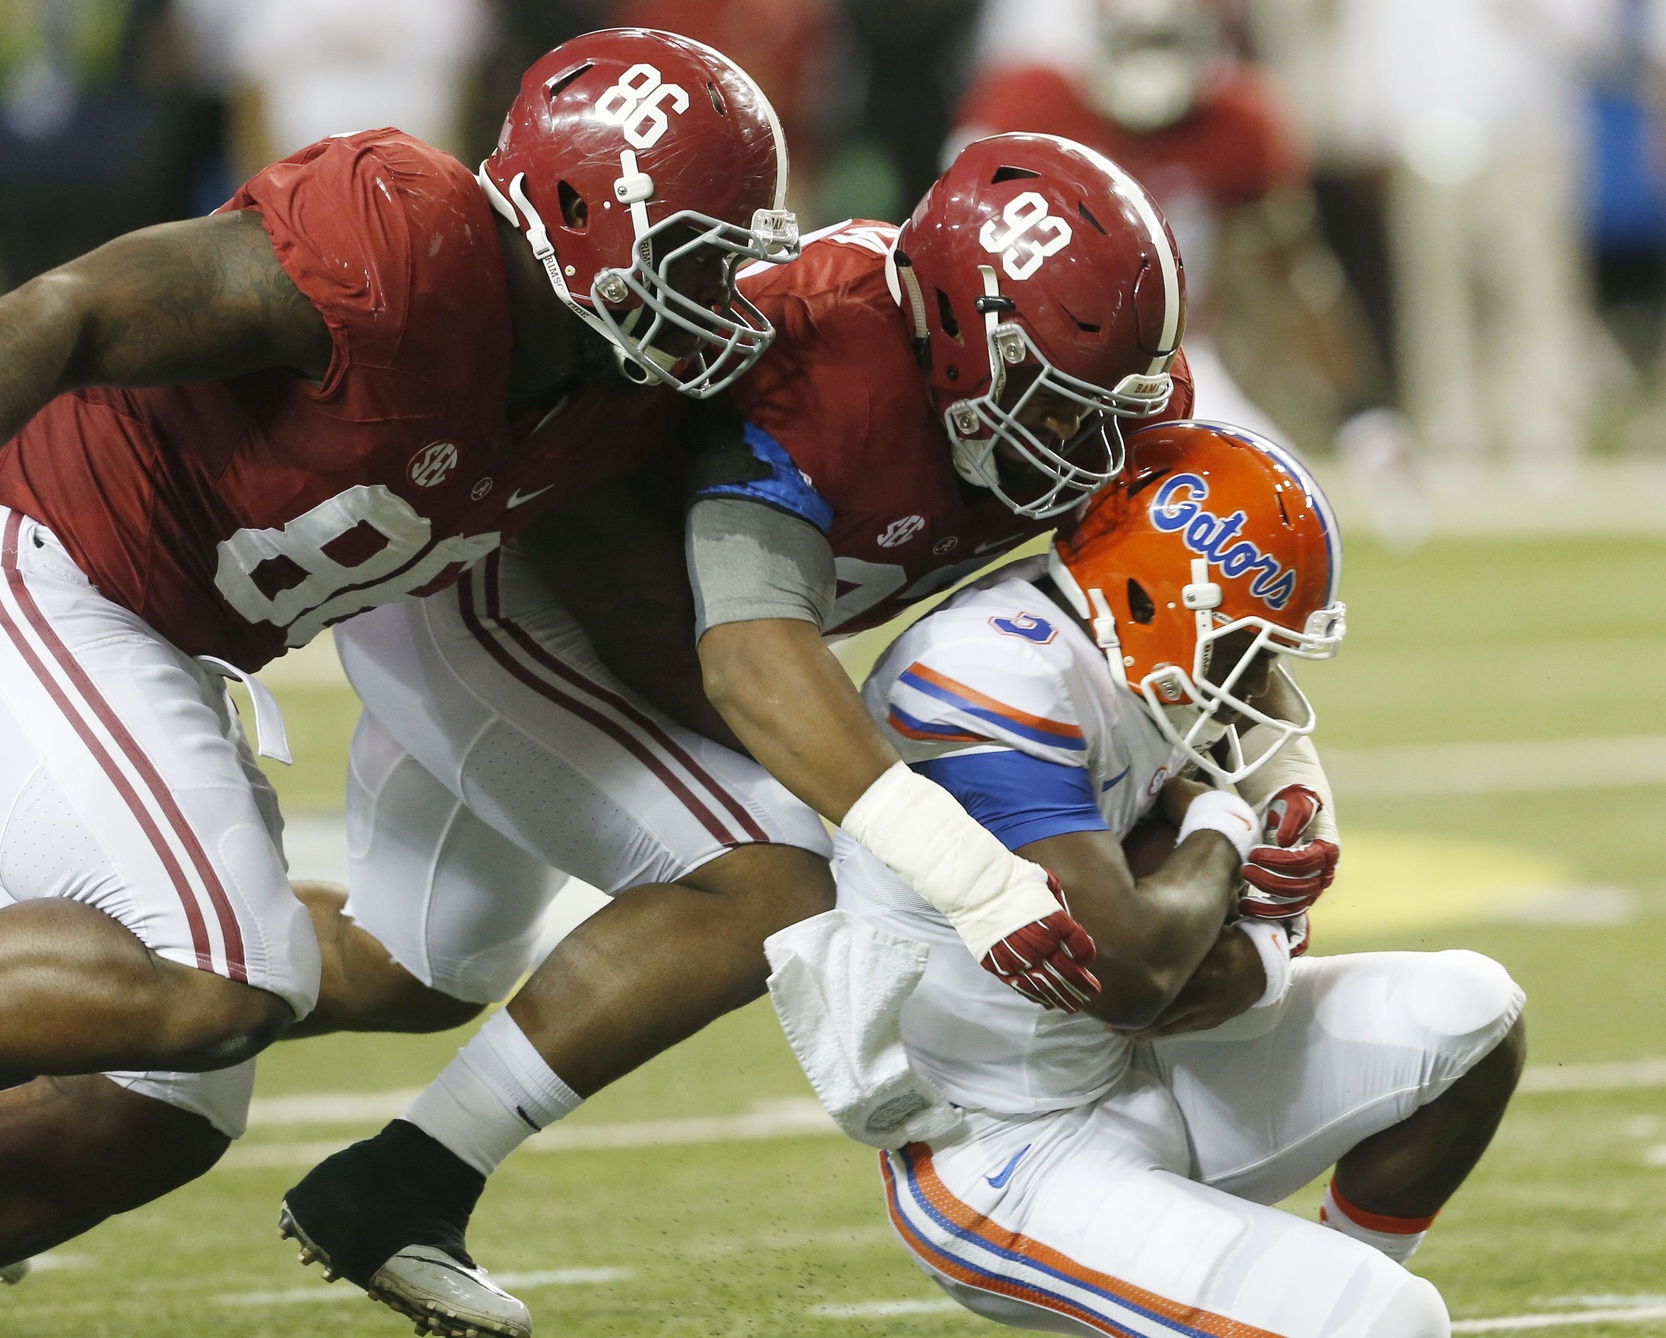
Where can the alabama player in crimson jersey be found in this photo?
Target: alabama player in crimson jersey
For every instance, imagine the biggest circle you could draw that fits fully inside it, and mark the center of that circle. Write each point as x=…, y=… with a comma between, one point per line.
x=1156, y=89
x=937, y=395
x=227, y=433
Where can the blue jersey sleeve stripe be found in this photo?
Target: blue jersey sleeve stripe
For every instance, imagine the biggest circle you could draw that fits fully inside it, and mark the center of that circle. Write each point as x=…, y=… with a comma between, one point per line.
x=1018, y=797
x=1068, y=737
x=786, y=488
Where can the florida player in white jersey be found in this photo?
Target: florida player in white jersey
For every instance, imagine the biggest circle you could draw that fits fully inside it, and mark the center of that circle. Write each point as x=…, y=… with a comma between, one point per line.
x=227, y=433
x=935, y=397
x=1115, y=1179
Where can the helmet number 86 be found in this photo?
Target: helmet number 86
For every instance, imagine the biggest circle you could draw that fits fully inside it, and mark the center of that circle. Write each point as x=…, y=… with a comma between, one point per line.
x=637, y=103
x=1030, y=236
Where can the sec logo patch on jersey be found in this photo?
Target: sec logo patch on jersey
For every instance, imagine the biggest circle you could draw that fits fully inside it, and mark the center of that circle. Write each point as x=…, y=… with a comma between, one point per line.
x=901, y=531
x=433, y=464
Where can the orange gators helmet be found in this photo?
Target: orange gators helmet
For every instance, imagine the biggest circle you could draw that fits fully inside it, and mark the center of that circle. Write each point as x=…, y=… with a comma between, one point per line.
x=627, y=152
x=1211, y=533
x=1038, y=264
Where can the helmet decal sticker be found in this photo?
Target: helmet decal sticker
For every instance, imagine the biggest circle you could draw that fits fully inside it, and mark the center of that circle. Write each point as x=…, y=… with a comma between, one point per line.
x=1021, y=253
x=595, y=118
x=1177, y=508
x=1027, y=626
x=637, y=103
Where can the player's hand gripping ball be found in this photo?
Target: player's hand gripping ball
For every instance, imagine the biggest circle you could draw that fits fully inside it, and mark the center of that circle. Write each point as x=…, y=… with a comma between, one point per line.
x=1286, y=874
x=1047, y=960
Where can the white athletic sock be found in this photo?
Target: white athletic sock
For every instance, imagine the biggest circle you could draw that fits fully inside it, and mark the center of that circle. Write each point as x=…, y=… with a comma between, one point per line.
x=1397, y=1237
x=493, y=1096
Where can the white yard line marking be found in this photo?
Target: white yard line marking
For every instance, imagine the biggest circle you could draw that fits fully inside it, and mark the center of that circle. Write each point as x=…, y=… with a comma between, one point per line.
x=330, y=1108
x=773, y=1119
x=289, y=1296
x=1519, y=1323
x=1593, y=1077
x=47, y=1263
x=880, y=1309
x=547, y=1277
x=1404, y=771
x=792, y=1118
x=562, y=1277
x=787, y=1118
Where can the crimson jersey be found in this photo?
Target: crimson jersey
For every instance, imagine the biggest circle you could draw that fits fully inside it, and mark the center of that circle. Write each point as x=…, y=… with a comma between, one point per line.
x=1232, y=149
x=240, y=517
x=840, y=413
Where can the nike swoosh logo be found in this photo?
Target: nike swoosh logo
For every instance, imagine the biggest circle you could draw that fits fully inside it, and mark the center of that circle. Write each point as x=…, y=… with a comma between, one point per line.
x=517, y=497
x=999, y=1181
x=1005, y=541
x=1113, y=780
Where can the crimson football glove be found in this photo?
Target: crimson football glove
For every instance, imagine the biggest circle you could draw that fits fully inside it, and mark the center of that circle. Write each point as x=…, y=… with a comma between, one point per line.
x=1046, y=960
x=1285, y=873
x=1300, y=934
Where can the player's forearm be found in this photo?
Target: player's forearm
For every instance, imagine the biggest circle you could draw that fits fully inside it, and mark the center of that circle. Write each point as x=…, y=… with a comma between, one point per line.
x=191, y=301
x=39, y=329
x=1150, y=934
x=793, y=707
x=1179, y=911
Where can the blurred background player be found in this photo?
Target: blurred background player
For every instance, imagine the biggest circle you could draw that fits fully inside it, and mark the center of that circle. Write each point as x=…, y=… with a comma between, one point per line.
x=233, y=431
x=1156, y=87
x=937, y=397
x=1118, y=1178
x=1475, y=109
x=292, y=73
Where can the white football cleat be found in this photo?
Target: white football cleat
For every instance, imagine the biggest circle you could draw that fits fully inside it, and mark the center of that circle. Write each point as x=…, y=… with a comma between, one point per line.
x=425, y=1284
x=443, y=1297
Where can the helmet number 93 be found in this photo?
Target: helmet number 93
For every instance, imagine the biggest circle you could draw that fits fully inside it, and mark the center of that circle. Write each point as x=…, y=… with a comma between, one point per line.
x=637, y=104
x=1030, y=236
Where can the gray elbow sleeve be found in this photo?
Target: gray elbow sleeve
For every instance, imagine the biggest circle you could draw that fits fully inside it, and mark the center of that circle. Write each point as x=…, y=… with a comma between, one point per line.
x=748, y=561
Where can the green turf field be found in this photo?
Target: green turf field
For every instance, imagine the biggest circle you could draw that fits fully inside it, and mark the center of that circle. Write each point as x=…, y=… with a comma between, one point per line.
x=1461, y=642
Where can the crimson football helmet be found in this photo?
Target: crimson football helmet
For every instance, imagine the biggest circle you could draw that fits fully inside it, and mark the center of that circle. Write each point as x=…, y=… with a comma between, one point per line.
x=1038, y=265
x=1211, y=532
x=627, y=152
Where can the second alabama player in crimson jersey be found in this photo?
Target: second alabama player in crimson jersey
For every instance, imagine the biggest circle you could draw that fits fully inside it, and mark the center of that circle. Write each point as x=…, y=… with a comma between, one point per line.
x=854, y=447
x=936, y=396
x=227, y=433
x=1153, y=85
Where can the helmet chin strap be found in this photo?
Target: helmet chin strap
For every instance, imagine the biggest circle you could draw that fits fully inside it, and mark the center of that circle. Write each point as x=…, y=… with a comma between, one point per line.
x=898, y=277
x=1093, y=608
x=518, y=206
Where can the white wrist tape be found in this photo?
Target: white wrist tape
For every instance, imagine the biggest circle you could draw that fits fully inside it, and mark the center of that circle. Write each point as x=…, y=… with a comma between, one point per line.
x=1272, y=941
x=1297, y=763
x=937, y=848
x=1224, y=812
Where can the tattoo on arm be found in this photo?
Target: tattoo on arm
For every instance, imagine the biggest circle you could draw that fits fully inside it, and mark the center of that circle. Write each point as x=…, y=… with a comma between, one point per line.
x=188, y=301
x=193, y=300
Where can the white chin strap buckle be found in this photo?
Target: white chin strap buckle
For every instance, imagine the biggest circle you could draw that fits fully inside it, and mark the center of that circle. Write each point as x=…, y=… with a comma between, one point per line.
x=1201, y=597
x=634, y=188
x=1202, y=594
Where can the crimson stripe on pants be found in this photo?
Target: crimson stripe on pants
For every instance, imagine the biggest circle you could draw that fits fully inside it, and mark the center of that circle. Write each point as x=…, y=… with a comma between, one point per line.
x=614, y=731
x=623, y=705
x=236, y=968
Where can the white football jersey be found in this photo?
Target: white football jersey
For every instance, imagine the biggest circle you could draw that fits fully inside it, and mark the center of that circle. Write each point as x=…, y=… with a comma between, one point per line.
x=1002, y=669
